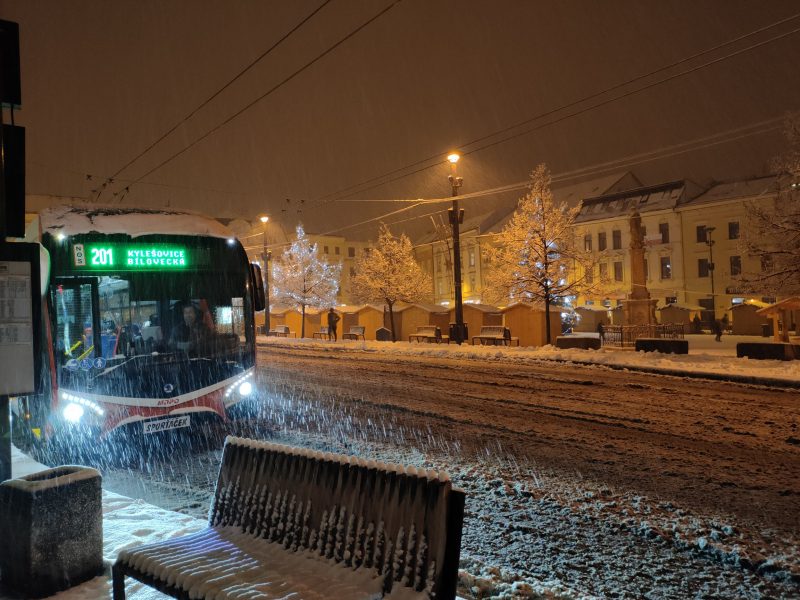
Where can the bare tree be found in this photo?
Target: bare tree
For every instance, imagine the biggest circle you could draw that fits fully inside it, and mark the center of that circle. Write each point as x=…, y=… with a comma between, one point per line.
x=389, y=274
x=536, y=258
x=772, y=230
x=301, y=278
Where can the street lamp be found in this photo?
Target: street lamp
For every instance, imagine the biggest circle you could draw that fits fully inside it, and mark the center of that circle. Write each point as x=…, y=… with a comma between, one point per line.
x=710, y=244
x=265, y=256
x=456, y=218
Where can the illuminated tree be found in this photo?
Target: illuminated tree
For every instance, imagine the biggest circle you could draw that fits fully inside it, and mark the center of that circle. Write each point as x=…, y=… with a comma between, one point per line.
x=389, y=274
x=772, y=231
x=301, y=278
x=536, y=258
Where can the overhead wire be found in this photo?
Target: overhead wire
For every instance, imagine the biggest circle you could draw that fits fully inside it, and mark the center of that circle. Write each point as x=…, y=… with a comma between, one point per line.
x=707, y=141
x=266, y=94
x=437, y=157
x=230, y=82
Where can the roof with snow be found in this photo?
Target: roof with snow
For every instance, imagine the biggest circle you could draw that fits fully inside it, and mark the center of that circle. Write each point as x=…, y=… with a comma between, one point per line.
x=572, y=195
x=432, y=308
x=745, y=188
x=681, y=306
x=90, y=218
x=649, y=198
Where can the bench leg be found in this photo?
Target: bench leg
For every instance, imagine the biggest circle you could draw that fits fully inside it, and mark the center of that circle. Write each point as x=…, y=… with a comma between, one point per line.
x=118, y=583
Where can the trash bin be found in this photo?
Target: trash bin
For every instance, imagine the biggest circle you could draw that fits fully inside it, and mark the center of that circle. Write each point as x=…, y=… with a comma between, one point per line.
x=51, y=527
x=453, y=333
x=765, y=329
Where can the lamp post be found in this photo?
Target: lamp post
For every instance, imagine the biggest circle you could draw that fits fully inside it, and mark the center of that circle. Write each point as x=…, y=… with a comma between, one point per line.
x=710, y=244
x=456, y=217
x=265, y=256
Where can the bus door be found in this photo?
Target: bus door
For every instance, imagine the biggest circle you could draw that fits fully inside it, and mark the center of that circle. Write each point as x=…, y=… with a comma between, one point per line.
x=77, y=319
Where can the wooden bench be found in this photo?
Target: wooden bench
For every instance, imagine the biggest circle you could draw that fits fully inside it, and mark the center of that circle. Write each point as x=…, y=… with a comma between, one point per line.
x=356, y=332
x=291, y=522
x=495, y=335
x=281, y=331
x=323, y=333
x=430, y=334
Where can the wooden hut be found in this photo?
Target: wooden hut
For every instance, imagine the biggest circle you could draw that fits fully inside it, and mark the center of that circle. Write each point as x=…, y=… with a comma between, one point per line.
x=349, y=316
x=277, y=316
x=407, y=317
x=679, y=313
x=294, y=319
x=477, y=316
x=783, y=315
x=370, y=317
x=590, y=316
x=746, y=318
x=527, y=322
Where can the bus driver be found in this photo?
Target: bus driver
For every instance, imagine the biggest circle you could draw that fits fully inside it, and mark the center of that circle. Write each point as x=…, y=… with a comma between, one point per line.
x=192, y=334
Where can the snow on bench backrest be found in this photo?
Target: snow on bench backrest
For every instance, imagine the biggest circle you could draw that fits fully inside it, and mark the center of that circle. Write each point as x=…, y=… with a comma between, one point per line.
x=432, y=329
x=357, y=329
x=497, y=330
x=365, y=514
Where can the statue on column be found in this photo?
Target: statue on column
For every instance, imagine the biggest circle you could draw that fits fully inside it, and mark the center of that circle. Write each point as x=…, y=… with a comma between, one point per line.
x=638, y=308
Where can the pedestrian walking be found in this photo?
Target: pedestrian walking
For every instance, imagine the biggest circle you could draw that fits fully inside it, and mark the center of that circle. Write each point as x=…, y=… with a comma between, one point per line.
x=716, y=328
x=333, y=321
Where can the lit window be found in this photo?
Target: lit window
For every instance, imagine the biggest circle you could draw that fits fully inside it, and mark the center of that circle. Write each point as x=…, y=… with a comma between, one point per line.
x=666, y=267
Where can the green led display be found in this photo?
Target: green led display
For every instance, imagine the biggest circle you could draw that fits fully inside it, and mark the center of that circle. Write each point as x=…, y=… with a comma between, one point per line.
x=130, y=257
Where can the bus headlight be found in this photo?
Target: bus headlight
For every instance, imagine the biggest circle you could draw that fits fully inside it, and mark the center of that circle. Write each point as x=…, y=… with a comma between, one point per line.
x=246, y=389
x=73, y=412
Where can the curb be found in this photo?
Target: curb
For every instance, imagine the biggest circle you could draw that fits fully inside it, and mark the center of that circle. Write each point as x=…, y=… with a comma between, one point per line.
x=743, y=379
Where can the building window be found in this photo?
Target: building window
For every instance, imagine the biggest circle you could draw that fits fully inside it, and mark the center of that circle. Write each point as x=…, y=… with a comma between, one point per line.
x=601, y=241
x=766, y=262
x=618, y=271
x=336, y=250
x=588, y=275
x=663, y=229
x=616, y=239
x=646, y=270
x=736, y=265
x=702, y=234
x=733, y=230
x=352, y=272
x=472, y=258
x=587, y=242
x=603, y=271
x=666, y=267
x=702, y=267
x=351, y=252
x=671, y=300
x=325, y=249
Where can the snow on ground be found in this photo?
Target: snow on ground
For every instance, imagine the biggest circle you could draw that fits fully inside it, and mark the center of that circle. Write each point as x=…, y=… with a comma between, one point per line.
x=707, y=358
x=126, y=523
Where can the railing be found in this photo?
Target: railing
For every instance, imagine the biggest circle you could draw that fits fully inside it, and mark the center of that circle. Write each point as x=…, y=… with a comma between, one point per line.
x=626, y=335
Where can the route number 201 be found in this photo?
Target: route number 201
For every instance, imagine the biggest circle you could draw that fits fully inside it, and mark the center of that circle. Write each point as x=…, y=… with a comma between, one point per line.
x=102, y=257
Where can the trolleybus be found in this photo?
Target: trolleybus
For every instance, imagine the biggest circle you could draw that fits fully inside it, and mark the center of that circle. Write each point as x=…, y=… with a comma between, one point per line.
x=148, y=321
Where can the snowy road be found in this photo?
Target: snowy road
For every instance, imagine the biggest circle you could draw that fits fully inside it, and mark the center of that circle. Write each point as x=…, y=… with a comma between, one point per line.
x=581, y=480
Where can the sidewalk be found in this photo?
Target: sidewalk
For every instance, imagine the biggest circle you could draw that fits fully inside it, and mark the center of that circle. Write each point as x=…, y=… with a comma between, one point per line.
x=126, y=523
x=706, y=358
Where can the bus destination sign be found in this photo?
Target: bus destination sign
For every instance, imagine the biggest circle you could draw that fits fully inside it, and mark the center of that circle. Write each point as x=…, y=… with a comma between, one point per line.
x=127, y=257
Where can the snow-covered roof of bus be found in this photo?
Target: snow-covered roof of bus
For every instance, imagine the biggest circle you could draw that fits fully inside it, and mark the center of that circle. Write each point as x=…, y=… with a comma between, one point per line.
x=76, y=219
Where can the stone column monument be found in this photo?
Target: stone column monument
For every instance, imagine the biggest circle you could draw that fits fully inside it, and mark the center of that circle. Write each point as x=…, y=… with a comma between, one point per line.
x=639, y=308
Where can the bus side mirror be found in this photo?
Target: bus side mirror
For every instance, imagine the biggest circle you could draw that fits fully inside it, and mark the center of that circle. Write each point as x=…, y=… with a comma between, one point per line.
x=259, y=302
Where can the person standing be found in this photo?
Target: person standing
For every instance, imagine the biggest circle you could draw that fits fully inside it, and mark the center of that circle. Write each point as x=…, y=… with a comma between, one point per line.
x=333, y=321
x=601, y=332
x=716, y=327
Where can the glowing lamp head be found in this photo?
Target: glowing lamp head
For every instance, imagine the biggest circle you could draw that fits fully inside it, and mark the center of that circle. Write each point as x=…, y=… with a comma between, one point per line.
x=60, y=236
x=453, y=158
x=231, y=241
x=246, y=389
x=264, y=218
x=73, y=412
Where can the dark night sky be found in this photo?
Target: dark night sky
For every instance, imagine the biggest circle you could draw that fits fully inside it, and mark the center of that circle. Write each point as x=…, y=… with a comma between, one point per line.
x=102, y=80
